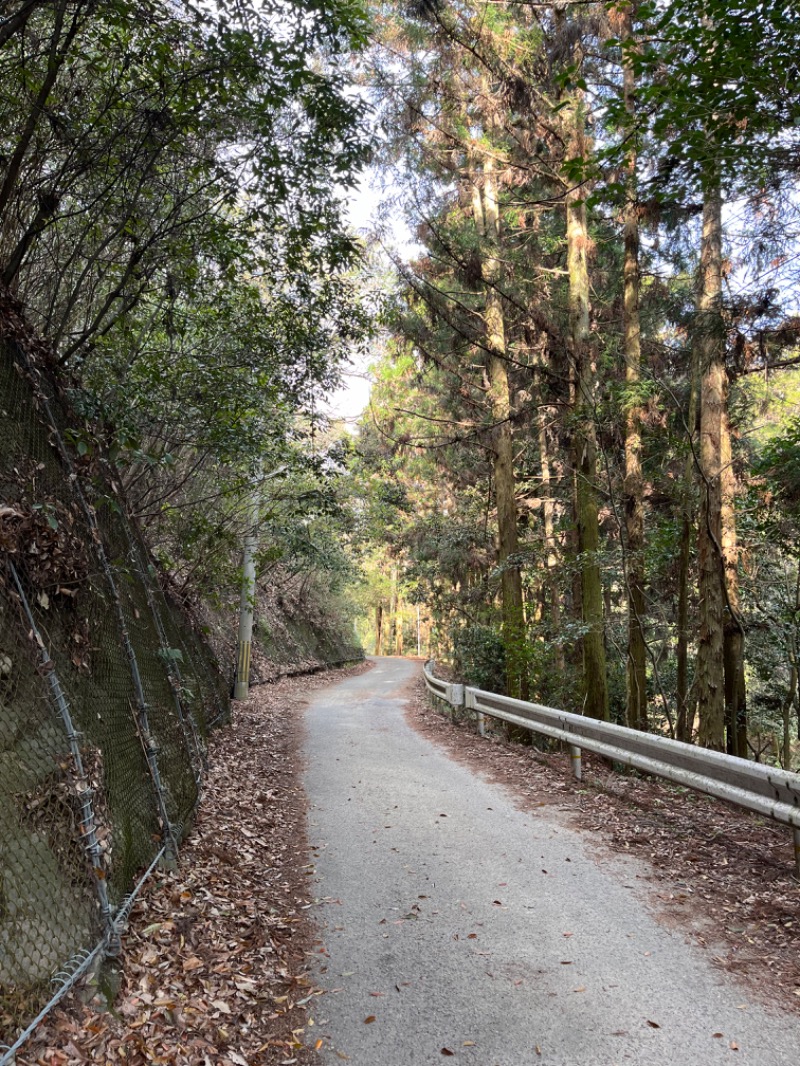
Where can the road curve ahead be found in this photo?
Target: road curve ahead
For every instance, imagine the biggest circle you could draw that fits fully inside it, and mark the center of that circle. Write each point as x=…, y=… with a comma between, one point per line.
x=446, y=938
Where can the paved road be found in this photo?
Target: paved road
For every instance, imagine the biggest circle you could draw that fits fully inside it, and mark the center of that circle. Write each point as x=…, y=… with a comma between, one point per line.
x=440, y=922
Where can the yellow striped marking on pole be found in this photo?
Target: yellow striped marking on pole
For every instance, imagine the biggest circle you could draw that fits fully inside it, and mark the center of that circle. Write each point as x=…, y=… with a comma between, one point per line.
x=243, y=665
x=575, y=754
x=241, y=688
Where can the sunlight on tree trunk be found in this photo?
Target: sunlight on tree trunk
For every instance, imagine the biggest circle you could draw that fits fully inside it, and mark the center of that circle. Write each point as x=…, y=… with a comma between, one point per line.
x=713, y=398
x=633, y=489
x=595, y=683
x=487, y=221
x=379, y=629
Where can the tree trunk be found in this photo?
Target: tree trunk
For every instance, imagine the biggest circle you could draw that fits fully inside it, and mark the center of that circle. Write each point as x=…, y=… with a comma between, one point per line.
x=685, y=713
x=595, y=684
x=713, y=398
x=633, y=487
x=392, y=635
x=733, y=635
x=548, y=509
x=487, y=221
x=379, y=629
x=787, y=719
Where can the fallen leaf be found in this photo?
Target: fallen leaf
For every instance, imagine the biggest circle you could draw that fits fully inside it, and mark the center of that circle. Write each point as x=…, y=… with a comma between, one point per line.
x=369, y=1019
x=447, y=1051
x=733, y=1045
x=318, y=1045
x=653, y=1025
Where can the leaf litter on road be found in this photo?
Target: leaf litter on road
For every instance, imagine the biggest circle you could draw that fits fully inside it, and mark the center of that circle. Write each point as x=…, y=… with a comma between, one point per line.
x=717, y=873
x=214, y=961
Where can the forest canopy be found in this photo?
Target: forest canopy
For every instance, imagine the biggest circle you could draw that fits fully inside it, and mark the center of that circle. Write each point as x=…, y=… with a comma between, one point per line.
x=171, y=187
x=579, y=472
x=584, y=426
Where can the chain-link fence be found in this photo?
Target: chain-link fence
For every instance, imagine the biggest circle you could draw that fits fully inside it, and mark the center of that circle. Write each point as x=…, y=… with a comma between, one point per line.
x=106, y=694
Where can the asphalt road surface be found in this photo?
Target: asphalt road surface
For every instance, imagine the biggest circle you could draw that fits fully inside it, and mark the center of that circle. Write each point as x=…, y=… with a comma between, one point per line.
x=444, y=938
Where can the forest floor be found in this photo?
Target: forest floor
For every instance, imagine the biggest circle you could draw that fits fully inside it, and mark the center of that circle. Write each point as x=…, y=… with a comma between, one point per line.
x=216, y=958
x=721, y=875
x=214, y=961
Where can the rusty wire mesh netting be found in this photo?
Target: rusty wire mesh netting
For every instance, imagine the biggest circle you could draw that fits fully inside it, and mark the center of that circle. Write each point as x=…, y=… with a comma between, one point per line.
x=106, y=694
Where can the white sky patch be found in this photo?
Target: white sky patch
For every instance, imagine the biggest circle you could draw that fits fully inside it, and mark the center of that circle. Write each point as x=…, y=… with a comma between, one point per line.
x=365, y=211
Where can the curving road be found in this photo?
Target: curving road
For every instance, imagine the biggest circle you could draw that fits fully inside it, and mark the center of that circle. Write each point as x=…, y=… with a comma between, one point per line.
x=443, y=937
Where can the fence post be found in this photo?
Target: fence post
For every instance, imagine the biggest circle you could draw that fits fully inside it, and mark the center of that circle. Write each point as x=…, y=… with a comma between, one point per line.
x=83, y=789
x=796, y=835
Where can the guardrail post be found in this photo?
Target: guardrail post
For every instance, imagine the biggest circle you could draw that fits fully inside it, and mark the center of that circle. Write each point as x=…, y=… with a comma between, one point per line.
x=575, y=756
x=456, y=695
x=481, y=723
x=796, y=834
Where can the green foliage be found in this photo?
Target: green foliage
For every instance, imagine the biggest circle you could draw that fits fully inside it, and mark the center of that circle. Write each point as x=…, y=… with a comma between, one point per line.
x=779, y=463
x=479, y=657
x=713, y=91
x=171, y=186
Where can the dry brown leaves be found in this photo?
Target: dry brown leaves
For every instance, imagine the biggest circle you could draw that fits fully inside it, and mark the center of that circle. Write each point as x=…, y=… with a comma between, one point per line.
x=15, y=326
x=719, y=874
x=215, y=957
x=48, y=537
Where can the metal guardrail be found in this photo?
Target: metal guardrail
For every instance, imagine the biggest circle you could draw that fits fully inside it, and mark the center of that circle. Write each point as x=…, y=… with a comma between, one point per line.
x=766, y=790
